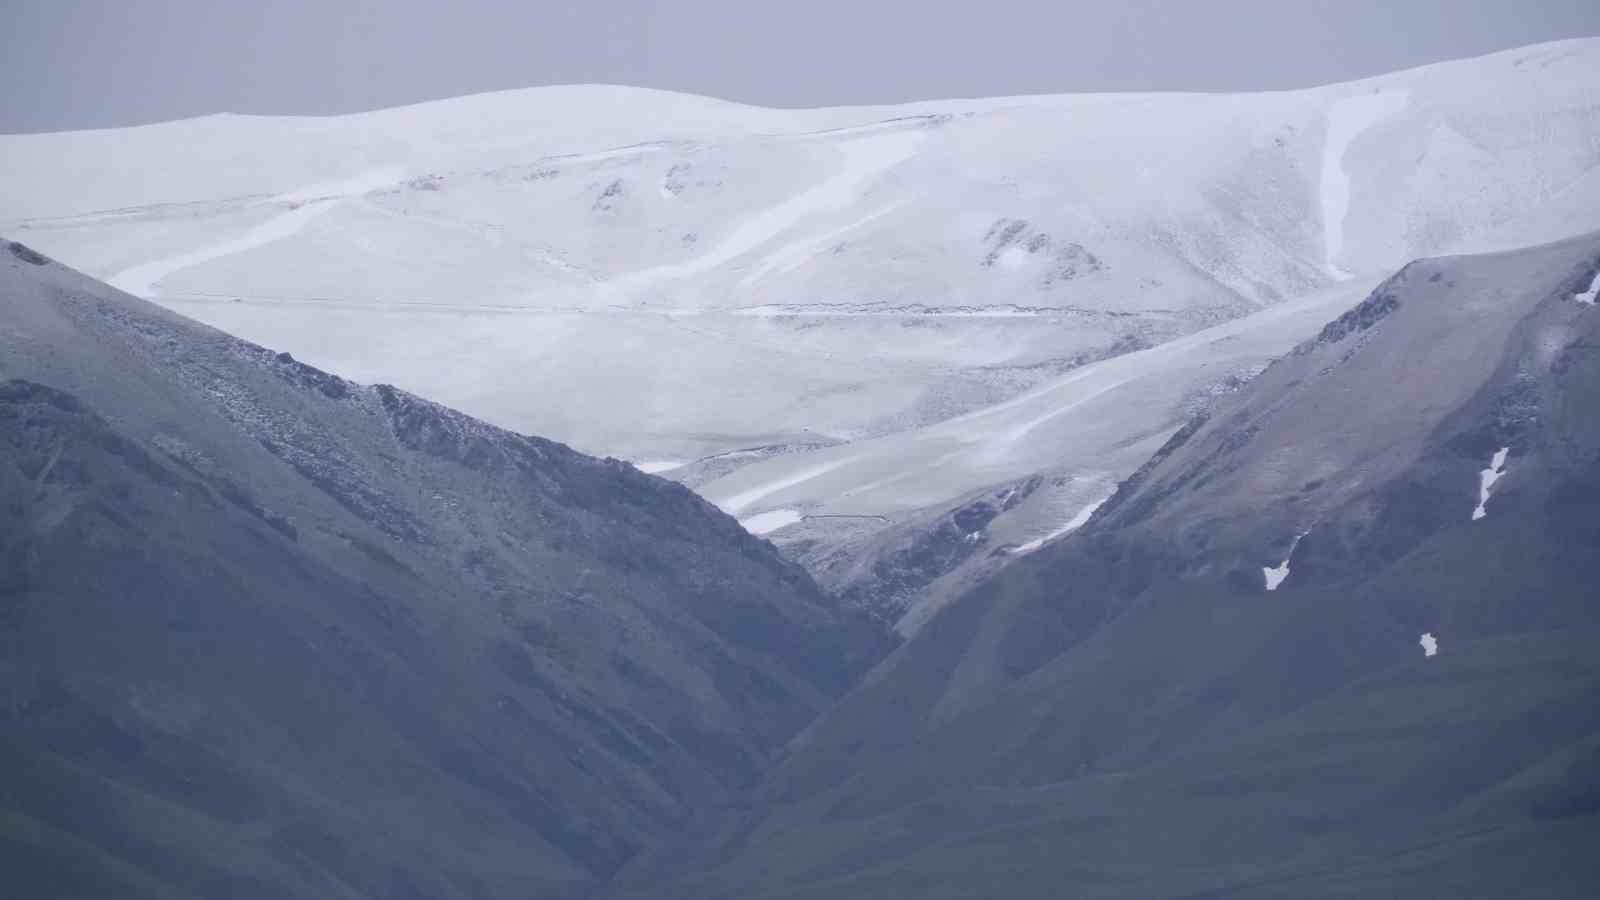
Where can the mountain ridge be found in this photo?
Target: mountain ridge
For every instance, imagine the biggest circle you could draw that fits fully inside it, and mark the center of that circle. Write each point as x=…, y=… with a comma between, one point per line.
x=1138, y=709
x=262, y=608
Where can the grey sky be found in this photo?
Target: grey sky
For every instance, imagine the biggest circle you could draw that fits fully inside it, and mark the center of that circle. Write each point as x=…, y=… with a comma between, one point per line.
x=91, y=63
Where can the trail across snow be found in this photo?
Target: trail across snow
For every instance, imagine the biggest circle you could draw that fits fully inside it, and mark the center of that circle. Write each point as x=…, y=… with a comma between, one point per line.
x=742, y=500
x=1015, y=434
x=1348, y=119
x=303, y=205
x=795, y=255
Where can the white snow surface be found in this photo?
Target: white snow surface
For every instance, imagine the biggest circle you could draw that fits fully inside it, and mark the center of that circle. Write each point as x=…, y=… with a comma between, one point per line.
x=762, y=490
x=863, y=158
x=1430, y=644
x=1587, y=298
x=770, y=521
x=1072, y=524
x=300, y=206
x=657, y=466
x=1275, y=576
x=1487, y=479
x=1348, y=119
x=1107, y=417
x=658, y=277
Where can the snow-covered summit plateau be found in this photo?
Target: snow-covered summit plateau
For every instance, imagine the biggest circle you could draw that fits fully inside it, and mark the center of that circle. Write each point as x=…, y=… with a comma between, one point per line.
x=882, y=308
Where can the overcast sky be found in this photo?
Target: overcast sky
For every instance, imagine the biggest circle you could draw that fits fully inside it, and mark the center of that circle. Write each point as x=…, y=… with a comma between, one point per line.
x=95, y=63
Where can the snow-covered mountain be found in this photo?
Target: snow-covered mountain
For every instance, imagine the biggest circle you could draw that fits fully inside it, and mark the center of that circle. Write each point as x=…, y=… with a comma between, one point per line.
x=1212, y=539
x=889, y=311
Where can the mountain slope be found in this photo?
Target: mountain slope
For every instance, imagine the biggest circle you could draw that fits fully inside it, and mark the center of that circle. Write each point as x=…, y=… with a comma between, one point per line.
x=899, y=523
x=849, y=327
x=1335, y=640
x=735, y=277
x=273, y=633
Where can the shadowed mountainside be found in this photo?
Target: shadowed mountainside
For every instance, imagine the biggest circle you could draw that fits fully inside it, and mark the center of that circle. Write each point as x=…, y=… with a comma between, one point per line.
x=270, y=633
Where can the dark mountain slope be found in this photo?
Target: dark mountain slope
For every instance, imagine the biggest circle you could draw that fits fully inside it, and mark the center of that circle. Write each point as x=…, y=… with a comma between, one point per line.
x=268, y=633
x=1133, y=713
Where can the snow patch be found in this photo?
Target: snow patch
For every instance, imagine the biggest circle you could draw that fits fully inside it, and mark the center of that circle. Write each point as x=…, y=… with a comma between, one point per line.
x=1587, y=298
x=1277, y=574
x=1348, y=119
x=1486, y=480
x=767, y=522
x=1076, y=522
x=655, y=466
x=1430, y=644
